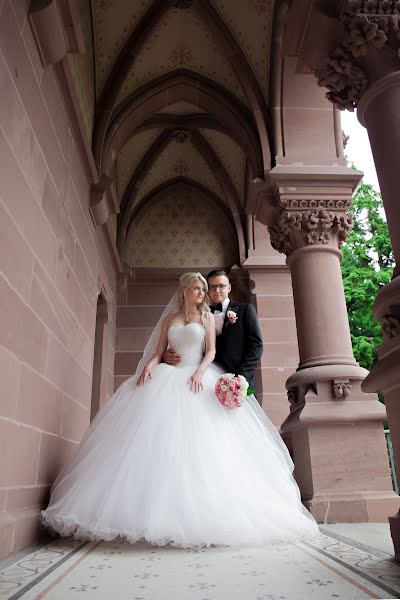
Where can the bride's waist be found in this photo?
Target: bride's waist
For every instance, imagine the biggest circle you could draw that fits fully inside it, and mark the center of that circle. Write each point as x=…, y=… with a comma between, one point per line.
x=189, y=361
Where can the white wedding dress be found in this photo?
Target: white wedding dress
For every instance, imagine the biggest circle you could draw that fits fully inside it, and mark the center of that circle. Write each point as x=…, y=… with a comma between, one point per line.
x=166, y=465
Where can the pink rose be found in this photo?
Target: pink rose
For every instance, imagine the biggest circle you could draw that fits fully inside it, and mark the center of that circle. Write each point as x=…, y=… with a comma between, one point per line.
x=232, y=316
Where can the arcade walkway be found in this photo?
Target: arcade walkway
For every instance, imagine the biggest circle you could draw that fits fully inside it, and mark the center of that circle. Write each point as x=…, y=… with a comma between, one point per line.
x=349, y=562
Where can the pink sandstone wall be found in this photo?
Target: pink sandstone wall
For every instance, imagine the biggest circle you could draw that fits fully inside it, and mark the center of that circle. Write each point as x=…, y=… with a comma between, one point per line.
x=273, y=299
x=280, y=357
x=139, y=308
x=53, y=264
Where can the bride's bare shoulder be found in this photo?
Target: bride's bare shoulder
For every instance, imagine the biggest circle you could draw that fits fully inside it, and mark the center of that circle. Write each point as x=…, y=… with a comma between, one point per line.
x=169, y=318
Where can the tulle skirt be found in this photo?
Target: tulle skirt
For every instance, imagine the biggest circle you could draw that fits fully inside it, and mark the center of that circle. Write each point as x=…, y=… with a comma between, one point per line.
x=166, y=465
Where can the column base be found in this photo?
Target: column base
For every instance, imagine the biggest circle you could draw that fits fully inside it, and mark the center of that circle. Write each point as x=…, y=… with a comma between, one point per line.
x=336, y=435
x=367, y=507
x=394, y=523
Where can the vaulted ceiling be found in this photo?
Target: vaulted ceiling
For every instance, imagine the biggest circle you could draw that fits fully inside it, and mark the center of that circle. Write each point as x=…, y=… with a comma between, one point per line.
x=178, y=91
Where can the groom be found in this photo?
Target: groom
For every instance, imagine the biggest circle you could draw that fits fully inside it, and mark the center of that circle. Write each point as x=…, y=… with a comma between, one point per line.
x=239, y=343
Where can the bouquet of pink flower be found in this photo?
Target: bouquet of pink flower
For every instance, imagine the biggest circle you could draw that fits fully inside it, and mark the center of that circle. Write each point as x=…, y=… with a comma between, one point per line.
x=231, y=390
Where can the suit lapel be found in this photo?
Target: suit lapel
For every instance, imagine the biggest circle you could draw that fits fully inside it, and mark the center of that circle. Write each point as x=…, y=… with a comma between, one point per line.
x=226, y=316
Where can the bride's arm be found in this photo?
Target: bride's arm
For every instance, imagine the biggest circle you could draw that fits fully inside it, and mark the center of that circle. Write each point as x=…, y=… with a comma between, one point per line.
x=196, y=379
x=157, y=357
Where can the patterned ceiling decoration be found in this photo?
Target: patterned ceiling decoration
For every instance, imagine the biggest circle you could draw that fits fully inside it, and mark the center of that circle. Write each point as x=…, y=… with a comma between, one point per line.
x=130, y=154
x=83, y=69
x=192, y=233
x=179, y=160
x=231, y=156
x=113, y=21
x=251, y=23
x=181, y=41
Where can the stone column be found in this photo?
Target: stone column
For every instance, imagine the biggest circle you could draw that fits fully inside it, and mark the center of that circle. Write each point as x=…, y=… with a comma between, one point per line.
x=379, y=112
x=364, y=72
x=330, y=415
x=385, y=377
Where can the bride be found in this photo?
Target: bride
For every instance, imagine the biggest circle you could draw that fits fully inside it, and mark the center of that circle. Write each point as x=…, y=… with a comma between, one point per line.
x=164, y=461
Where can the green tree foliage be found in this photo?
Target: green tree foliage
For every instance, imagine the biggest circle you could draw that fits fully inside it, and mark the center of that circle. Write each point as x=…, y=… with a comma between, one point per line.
x=366, y=267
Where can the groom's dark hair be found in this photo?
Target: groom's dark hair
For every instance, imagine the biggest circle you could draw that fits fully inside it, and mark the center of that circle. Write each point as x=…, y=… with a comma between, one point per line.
x=217, y=273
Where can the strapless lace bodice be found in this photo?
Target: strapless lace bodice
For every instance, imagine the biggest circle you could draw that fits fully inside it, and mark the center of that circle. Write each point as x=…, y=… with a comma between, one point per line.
x=188, y=342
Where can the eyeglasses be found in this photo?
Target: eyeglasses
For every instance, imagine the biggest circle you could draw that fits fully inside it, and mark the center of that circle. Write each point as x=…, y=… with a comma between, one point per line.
x=220, y=287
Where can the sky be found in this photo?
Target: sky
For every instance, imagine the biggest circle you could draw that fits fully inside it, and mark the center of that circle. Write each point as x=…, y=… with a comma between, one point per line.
x=358, y=150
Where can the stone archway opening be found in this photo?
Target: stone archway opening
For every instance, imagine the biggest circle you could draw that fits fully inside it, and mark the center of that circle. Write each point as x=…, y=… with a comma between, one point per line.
x=98, y=355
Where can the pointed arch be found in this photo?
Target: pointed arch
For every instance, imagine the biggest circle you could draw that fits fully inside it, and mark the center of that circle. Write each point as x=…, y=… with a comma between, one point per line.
x=186, y=121
x=145, y=163
x=232, y=51
x=162, y=191
x=180, y=85
x=215, y=165
x=229, y=48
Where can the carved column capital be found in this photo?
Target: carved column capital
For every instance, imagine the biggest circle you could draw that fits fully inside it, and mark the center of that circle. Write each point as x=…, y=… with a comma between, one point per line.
x=302, y=223
x=369, y=26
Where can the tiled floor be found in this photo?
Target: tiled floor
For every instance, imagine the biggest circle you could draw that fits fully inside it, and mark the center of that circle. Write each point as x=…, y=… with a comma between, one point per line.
x=345, y=563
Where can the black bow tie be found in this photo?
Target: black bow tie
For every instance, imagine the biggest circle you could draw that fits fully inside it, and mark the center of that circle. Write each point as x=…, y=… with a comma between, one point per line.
x=216, y=307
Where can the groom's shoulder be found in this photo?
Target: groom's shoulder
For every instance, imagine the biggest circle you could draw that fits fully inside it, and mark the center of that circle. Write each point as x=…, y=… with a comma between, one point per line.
x=241, y=306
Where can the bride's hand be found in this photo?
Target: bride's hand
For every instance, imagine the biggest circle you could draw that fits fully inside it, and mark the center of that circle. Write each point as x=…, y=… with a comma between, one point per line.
x=195, y=381
x=144, y=376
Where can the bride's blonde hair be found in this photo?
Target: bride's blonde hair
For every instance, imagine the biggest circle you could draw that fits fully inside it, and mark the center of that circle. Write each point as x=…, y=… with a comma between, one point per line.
x=184, y=282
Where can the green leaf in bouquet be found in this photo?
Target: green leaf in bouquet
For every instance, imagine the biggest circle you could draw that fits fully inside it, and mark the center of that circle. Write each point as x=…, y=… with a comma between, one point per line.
x=249, y=391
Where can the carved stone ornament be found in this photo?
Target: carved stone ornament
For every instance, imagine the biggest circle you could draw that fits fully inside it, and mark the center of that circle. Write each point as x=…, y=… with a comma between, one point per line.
x=341, y=389
x=345, y=80
x=304, y=222
x=390, y=325
x=181, y=136
x=368, y=24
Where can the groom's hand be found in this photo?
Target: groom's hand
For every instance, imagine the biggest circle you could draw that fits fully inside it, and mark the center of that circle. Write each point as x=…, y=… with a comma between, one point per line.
x=171, y=358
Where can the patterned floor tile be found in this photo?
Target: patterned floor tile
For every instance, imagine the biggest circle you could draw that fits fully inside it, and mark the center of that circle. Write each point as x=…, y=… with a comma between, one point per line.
x=324, y=568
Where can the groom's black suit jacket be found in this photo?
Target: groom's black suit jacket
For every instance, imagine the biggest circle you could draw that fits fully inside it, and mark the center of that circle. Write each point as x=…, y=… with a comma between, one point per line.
x=239, y=347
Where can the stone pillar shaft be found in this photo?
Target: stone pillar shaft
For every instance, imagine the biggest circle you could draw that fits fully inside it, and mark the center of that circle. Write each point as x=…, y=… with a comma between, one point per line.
x=379, y=112
x=362, y=71
x=323, y=340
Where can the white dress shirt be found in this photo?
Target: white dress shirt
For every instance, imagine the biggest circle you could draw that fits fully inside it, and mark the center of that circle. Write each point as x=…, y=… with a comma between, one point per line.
x=220, y=317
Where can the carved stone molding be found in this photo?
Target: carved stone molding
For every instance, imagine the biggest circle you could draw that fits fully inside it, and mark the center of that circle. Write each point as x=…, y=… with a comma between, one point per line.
x=48, y=31
x=122, y=281
x=310, y=222
x=387, y=309
x=56, y=29
x=390, y=325
x=368, y=24
x=345, y=80
x=103, y=201
x=341, y=389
